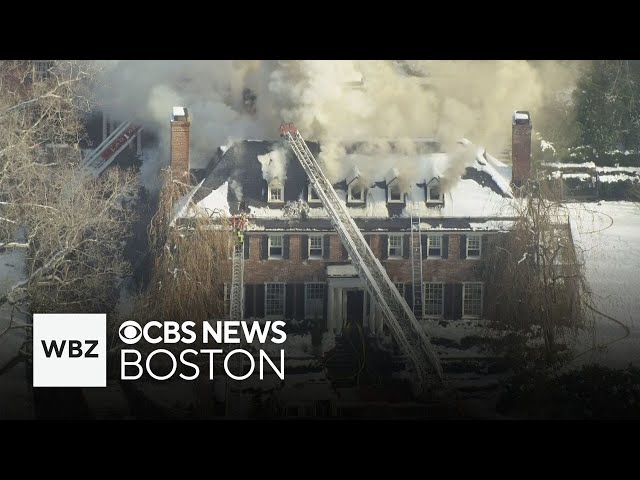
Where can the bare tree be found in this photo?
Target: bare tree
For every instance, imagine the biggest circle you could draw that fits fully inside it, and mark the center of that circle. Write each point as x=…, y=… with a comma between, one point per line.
x=71, y=225
x=537, y=278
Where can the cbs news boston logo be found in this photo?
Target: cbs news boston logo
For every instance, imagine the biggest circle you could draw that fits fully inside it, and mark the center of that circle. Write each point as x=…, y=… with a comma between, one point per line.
x=69, y=350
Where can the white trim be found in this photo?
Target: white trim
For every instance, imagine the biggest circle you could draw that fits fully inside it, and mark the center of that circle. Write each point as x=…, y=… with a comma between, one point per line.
x=464, y=285
x=434, y=182
x=321, y=257
x=389, y=199
x=424, y=298
x=275, y=184
x=310, y=198
x=474, y=257
x=284, y=300
x=395, y=257
x=350, y=198
x=429, y=237
x=269, y=256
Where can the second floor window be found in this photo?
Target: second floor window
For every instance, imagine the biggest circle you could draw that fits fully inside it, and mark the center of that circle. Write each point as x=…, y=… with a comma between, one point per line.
x=434, y=246
x=474, y=246
x=395, y=246
x=275, y=246
x=315, y=247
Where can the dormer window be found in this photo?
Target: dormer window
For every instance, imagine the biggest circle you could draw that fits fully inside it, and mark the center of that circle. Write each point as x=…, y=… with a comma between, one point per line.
x=394, y=193
x=434, y=192
x=312, y=195
x=356, y=193
x=276, y=192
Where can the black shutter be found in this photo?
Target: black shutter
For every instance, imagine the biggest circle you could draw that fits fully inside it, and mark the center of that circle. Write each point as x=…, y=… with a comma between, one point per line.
x=384, y=246
x=285, y=246
x=299, y=292
x=264, y=247
x=445, y=246
x=463, y=246
x=406, y=245
x=485, y=244
x=425, y=244
x=304, y=245
x=246, y=246
x=248, y=300
x=457, y=301
x=408, y=294
x=325, y=304
x=260, y=294
x=345, y=254
x=326, y=250
x=448, y=300
x=289, y=298
x=367, y=238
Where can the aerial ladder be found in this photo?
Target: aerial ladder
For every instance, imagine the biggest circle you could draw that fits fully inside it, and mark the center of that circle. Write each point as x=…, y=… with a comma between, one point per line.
x=416, y=268
x=104, y=155
x=406, y=330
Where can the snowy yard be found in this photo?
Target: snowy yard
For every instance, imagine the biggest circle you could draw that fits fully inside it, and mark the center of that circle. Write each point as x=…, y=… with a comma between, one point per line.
x=609, y=234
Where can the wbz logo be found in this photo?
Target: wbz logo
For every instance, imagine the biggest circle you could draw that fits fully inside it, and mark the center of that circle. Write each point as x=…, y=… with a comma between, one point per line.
x=69, y=350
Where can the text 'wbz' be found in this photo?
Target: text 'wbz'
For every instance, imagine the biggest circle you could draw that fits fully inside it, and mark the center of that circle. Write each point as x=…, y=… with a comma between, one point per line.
x=132, y=365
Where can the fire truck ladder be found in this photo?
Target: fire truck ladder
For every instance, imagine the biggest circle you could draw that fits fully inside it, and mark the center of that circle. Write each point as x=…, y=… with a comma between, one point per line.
x=98, y=160
x=416, y=268
x=236, y=300
x=410, y=336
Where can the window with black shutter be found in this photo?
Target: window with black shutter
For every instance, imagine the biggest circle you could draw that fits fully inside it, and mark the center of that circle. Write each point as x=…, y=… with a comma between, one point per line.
x=406, y=247
x=445, y=246
x=384, y=247
x=245, y=246
x=285, y=246
x=327, y=246
x=264, y=247
x=463, y=246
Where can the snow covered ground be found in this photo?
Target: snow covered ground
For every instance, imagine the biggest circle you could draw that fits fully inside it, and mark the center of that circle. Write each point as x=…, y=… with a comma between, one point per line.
x=609, y=234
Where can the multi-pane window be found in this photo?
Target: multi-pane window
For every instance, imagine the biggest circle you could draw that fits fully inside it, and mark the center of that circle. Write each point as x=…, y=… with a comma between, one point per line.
x=275, y=246
x=472, y=299
x=276, y=192
x=313, y=300
x=41, y=70
x=315, y=246
x=473, y=246
x=434, y=246
x=395, y=246
x=433, y=299
x=434, y=192
x=400, y=288
x=274, y=299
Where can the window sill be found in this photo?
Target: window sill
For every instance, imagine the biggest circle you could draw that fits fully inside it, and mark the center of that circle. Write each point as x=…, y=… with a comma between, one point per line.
x=434, y=258
x=275, y=202
x=395, y=258
x=315, y=258
x=471, y=317
x=473, y=258
x=434, y=317
x=275, y=258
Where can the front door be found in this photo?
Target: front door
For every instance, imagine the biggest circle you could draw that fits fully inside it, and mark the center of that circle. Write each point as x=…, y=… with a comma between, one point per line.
x=355, y=304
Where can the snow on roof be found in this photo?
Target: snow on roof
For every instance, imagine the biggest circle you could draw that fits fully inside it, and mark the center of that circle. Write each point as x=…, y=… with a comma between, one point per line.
x=570, y=165
x=214, y=203
x=181, y=208
x=618, y=177
x=178, y=112
x=485, y=165
x=583, y=176
x=618, y=169
x=521, y=116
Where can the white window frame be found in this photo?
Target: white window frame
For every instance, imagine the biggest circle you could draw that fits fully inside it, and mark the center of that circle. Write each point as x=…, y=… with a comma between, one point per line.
x=269, y=246
x=310, y=198
x=479, y=249
x=426, y=297
x=266, y=300
x=400, y=287
x=391, y=200
x=395, y=257
x=429, y=237
x=273, y=186
x=465, y=285
x=434, y=183
x=315, y=257
x=308, y=312
x=350, y=197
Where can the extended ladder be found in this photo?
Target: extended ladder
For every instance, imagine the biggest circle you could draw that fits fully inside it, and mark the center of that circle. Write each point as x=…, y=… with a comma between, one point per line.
x=236, y=300
x=410, y=336
x=416, y=268
x=98, y=160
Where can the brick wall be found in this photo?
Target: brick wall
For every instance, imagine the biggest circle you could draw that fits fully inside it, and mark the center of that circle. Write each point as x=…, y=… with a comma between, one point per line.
x=520, y=153
x=297, y=268
x=180, y=148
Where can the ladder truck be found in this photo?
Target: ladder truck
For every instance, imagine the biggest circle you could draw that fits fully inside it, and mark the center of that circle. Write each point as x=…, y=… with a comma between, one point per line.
x=104, y=155
x=406, y=330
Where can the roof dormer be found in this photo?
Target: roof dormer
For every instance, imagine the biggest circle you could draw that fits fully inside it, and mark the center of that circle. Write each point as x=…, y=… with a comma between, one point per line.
x=394, y=191
x=433, y=192
x=275, y=192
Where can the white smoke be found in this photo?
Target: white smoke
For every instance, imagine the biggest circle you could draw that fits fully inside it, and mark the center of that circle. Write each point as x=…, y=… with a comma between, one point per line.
x=450, y=100
x=274, y=165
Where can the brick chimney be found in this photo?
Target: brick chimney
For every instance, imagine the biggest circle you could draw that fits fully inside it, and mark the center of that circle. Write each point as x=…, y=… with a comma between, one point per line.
x=180, y=123
x=520, y=147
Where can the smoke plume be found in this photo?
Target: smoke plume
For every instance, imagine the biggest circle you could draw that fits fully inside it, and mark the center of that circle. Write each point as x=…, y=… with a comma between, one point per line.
x=338, y=103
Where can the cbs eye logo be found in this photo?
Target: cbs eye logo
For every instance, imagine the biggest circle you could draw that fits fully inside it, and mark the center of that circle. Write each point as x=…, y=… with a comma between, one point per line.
x=130, y=332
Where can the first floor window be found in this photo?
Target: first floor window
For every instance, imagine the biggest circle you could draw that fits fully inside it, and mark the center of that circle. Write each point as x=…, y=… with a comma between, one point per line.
x=434, y=299
x=275, y=246
x=395, y=246
x=274, y=299
x=315, y=246
x=472, y=299
x=313, y=300
x=473, y=246
x=434, y=246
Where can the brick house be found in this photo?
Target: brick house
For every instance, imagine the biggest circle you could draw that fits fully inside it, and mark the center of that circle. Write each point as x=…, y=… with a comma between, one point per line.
x=295, y=264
